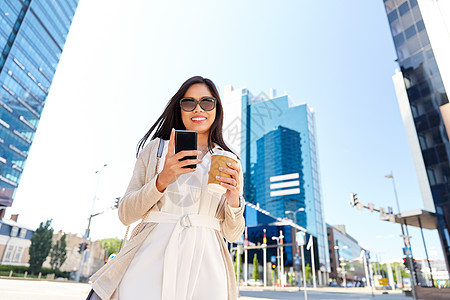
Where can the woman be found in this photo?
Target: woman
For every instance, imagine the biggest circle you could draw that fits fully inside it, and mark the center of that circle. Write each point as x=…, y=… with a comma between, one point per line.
x=166, y=259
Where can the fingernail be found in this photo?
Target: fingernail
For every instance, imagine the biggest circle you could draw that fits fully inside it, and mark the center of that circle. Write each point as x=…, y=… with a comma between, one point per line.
x=220, y=168
x=217, y=177
x=199, y=152
x=228, y=163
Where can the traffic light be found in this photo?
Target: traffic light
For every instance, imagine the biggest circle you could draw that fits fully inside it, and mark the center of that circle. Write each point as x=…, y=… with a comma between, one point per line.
x=274, y=266
x=353, y=199
x=82, y=247
x=116, y=203
x=406, y=263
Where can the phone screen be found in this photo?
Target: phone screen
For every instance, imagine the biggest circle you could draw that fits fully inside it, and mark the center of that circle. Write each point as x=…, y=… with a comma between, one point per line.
x=186, y=140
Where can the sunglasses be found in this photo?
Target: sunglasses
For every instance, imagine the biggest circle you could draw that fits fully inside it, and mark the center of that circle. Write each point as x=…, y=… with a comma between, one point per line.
x=206, y=103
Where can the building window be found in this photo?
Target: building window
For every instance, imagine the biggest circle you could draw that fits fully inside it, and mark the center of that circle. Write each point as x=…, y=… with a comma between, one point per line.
x=431, y=176
x=23, y=233
x=392, y=16
x=403, y=9
x=18, y=254
x=14, y=231
x=410, y=31
x=399, y=39
x=9, y=253
x=420, y=25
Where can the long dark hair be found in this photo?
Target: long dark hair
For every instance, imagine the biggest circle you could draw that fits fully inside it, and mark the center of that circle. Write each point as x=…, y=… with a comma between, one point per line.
x=171, y=117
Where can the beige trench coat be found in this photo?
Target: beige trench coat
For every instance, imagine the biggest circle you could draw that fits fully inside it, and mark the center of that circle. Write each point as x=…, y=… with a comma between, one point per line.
x=141, y=195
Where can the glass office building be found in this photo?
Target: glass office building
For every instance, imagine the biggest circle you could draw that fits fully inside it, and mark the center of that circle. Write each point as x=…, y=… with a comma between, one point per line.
x=345, y=253
x=279, y=159
x=423, y=100
x=32, y=37
x=257, y=220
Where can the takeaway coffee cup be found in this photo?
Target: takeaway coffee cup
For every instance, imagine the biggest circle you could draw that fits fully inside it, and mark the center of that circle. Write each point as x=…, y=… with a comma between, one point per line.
x=219, y=159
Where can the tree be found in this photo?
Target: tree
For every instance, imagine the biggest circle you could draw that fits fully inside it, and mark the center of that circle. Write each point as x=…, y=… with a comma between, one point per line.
x=255, y=267
x=58, y=253
x=291, y=278
x=235, y=265
x=308, y=272
x=41, y=242
x=111, y=245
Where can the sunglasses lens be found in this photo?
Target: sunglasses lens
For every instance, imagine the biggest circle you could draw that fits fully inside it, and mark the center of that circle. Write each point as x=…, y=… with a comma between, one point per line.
x=207, y=104
x=188, y=104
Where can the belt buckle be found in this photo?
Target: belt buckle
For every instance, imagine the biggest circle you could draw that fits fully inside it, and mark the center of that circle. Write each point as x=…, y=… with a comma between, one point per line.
x=185, y=217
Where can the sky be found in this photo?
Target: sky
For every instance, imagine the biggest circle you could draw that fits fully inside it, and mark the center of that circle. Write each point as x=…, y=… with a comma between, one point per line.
x=123, y=61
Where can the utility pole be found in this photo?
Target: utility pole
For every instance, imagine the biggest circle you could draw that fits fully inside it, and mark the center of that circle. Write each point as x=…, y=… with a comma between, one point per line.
x=279, y=256
x=86, y=234
x=295, y=228
x=265, y=257
x=246, y=257
x=405, y=240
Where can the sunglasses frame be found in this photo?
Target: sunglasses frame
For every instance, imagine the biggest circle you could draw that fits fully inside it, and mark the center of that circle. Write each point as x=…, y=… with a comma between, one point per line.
x=197, y=102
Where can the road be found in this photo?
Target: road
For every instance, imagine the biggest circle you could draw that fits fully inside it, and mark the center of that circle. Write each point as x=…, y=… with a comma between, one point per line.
x=315, y=295
x=15, y=289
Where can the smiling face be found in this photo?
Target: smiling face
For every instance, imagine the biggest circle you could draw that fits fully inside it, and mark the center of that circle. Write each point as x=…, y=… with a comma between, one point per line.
x=198, y=119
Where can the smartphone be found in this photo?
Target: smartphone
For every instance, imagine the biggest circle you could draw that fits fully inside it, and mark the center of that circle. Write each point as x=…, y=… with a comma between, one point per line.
x=186, y=140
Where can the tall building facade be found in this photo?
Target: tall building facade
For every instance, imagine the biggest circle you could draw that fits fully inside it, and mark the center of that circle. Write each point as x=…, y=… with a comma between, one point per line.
x=32, y=38
x=345, y=257
x=421, y=37
x=278, y=152
x=276, y=155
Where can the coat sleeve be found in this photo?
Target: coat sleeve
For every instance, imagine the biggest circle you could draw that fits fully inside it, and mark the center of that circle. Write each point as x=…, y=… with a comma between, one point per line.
x=233, y=224
x=139, y=196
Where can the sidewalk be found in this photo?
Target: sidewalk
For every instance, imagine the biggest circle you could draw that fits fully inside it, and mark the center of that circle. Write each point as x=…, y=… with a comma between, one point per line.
x=326, y=289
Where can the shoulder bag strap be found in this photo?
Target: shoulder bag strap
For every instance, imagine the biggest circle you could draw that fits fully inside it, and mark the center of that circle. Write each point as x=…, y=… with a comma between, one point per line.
x=158, y=156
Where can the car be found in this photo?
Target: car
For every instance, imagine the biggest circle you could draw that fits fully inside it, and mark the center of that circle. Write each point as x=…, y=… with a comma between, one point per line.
x=333, y=283
x=253, y=282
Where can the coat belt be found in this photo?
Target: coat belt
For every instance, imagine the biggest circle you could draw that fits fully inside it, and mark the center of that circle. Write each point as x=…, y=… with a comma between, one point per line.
x=183, y=222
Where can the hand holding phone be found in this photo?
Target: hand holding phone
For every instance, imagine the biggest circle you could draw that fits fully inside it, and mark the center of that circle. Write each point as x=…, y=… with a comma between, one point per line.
x=186, y=140
x=175, y=163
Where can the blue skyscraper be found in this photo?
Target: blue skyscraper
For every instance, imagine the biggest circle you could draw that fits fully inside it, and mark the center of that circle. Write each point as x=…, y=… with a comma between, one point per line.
x=279, y=152
x=32, y=37
x=279, y=159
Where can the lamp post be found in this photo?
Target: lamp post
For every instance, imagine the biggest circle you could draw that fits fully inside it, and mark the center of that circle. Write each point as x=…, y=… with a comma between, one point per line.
x=295, y=221
x=280, y=266
x=405, y=239
x=86, y=234
x=295, y=213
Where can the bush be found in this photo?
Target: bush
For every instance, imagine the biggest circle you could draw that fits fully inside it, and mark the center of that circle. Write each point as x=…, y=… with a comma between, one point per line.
x=15, y=269
x=4, y=271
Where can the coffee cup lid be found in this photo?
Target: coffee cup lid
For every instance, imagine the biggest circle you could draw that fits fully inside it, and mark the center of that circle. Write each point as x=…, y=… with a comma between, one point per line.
x=225, y=153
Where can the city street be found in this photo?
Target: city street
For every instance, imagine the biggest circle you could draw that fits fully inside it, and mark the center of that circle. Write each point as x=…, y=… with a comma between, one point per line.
x=16, y=289
x=254, y=295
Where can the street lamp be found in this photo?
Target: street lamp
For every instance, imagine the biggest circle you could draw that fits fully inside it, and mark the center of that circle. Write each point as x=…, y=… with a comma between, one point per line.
x=391, y=176
x=406, y=238
x=295, y=229
x=280, y=266
x=295, y=213
x=86, y=235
